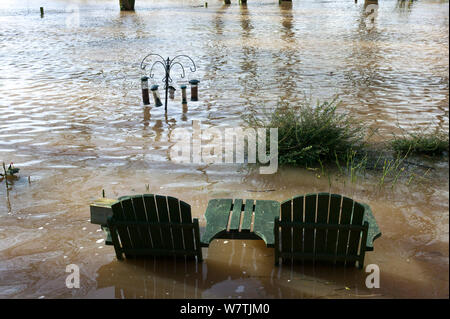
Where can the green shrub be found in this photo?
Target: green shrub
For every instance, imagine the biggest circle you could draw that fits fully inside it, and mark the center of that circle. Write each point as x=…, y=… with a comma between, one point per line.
x=309, y=135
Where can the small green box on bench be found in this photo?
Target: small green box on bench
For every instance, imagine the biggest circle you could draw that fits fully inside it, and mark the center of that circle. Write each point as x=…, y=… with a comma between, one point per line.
x=101, y=210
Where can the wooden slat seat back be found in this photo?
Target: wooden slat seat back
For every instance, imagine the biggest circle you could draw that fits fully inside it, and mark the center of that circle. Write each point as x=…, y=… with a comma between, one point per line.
x=321, y=227
x=154, y=225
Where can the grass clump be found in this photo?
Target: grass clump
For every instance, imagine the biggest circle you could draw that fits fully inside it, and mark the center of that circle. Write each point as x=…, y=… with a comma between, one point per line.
x=311, y=134
x=421, y=143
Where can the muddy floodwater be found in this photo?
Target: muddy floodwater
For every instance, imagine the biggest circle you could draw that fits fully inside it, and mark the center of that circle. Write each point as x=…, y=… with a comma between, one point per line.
x=72, y=120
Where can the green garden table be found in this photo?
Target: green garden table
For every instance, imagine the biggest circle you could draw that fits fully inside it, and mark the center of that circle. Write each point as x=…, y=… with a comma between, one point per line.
x=240, y=219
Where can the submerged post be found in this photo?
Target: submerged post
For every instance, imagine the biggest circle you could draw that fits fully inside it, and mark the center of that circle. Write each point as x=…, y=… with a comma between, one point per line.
x=42, y=11
x=126, y=5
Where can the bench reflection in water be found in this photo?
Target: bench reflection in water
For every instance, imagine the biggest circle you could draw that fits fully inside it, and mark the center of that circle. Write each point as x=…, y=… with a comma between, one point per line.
x=232, y=268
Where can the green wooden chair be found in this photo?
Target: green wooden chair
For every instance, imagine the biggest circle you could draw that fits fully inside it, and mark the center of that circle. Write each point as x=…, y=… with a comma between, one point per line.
x=153, y=225
x=324, y=227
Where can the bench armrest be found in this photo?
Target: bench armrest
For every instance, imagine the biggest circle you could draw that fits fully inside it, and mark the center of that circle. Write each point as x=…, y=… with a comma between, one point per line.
x=374, y=232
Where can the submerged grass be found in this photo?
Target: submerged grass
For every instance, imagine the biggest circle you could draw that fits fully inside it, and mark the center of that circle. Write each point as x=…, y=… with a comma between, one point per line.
x=388, y=170
x=432, y=144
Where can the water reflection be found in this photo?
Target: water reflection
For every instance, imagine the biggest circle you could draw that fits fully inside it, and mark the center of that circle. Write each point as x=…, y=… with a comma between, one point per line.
x=244, y=269
x=249, y=81
x=288, y=59
x=8, y=201
x=151, y=278
x=234, y=269
x=287, y=21
x=147, y=116
x=404, y=6
x=158, y=128
x=216, y=53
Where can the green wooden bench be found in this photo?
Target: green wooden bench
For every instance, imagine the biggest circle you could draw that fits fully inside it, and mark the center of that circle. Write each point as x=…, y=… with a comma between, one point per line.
x=153, y=225
x=326, y=227
x=239, y=219
x=308, y=227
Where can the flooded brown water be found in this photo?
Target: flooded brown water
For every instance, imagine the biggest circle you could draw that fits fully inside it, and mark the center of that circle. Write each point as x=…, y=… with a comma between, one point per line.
x=71, y=118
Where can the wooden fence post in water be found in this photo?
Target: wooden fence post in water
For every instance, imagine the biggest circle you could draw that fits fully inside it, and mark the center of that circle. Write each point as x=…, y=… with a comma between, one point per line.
x=42, y=11
x=126, y=5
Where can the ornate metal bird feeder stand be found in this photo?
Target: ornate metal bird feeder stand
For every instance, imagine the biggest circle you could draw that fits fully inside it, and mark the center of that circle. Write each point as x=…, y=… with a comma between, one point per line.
x=153, y=59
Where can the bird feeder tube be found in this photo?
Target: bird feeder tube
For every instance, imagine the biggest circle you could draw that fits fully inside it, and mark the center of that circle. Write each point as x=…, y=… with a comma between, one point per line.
x=194, y=89
x=156, y=97
x=172, y=92
x=183, y=94
x=145, y=93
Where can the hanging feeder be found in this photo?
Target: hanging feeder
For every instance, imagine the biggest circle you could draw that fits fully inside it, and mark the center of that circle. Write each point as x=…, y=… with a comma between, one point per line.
x=156, y=97
x=183, y=94
x=144, y=86
x=194, y=89
x=172, y=92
